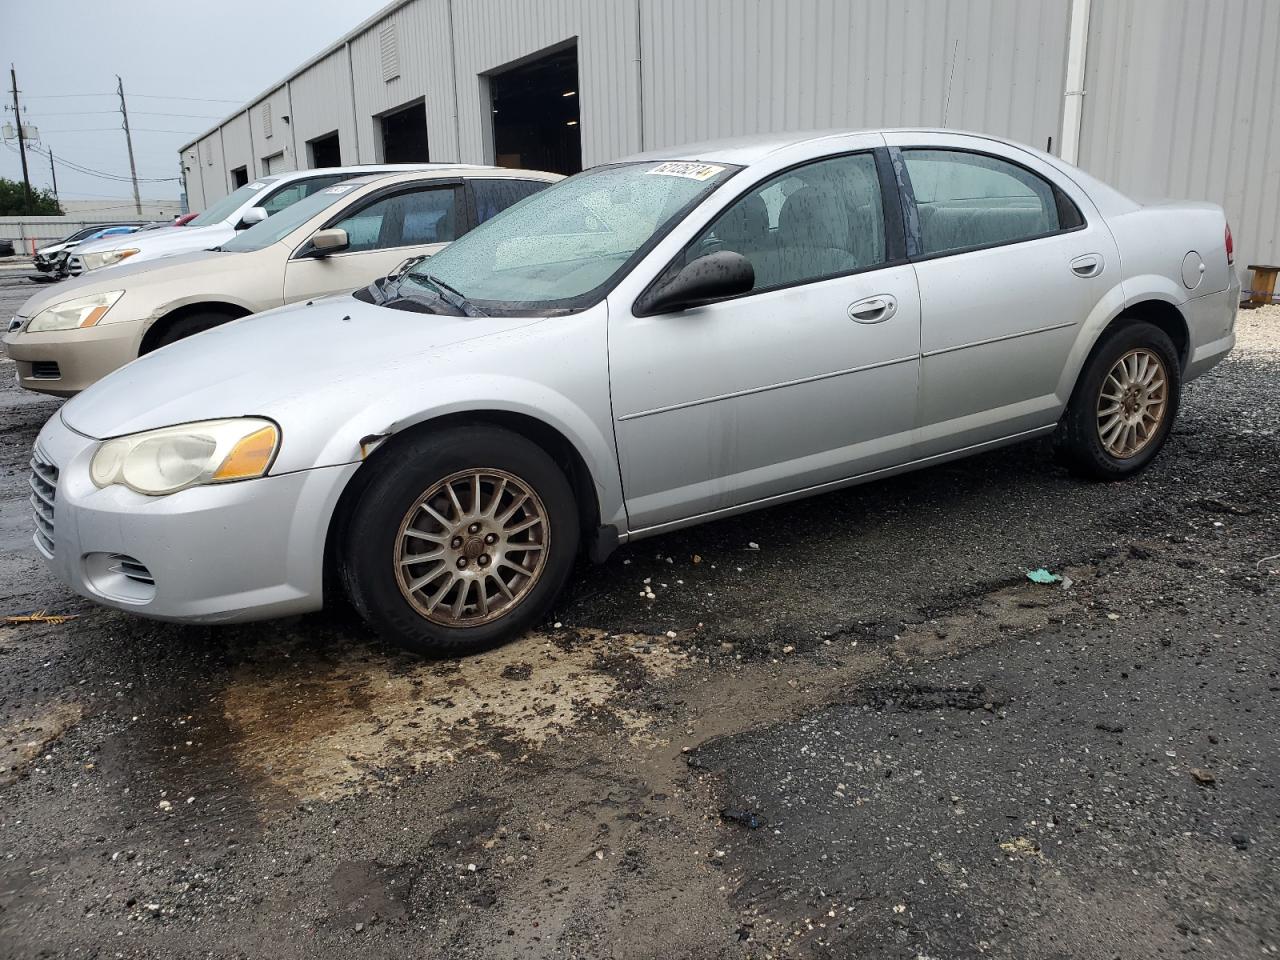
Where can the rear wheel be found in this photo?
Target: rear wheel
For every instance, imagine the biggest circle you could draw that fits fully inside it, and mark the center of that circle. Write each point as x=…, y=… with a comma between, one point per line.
x=462, y=539
x=1124, y=404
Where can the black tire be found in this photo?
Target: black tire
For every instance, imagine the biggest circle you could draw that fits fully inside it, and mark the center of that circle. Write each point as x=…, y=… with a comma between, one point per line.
x=1078, y=443
x=404, y=474
x=187, y=326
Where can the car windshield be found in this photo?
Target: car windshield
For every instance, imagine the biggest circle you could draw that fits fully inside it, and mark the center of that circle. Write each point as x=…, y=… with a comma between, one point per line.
x=228, y=204
x=559, y=247
x=279, y=225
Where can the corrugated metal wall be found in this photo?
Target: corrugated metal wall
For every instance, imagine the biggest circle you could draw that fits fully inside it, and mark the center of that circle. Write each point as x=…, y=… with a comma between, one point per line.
x=727, y=67
x=321, y=97
x=492, y=34
x=422, y=35
x=1182, y=101
x=1180, y=94
x=276, y=137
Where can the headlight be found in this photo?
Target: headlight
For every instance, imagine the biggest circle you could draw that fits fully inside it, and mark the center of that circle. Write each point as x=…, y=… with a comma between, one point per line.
x=171, y=459
x=105, y=258
x=80, y=312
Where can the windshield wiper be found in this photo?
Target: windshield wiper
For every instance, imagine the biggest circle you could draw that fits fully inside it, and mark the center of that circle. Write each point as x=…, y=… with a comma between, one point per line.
x=453, y=297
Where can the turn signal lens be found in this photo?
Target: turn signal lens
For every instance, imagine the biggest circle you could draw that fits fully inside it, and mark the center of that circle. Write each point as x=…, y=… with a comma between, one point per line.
x=250, y=457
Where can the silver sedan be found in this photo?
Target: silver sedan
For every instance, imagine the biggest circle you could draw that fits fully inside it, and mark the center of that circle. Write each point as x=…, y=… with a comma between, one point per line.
x=650, y=344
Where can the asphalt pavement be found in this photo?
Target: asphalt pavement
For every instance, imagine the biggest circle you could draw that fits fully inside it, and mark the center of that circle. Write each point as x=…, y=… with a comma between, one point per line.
x=848, y=727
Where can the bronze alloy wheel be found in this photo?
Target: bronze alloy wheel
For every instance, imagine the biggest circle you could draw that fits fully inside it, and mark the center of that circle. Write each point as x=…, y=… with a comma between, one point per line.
x=472, y=547
x=1132, y=403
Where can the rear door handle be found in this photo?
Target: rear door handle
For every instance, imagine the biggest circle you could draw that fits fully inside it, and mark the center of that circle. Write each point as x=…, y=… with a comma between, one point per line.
x=1090, y=265
x=873, y=309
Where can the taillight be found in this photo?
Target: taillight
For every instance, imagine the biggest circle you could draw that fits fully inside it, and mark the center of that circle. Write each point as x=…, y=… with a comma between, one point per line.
x=1231, y=247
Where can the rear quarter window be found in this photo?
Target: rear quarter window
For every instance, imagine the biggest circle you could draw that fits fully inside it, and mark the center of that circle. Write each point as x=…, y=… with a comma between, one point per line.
x=495, y=195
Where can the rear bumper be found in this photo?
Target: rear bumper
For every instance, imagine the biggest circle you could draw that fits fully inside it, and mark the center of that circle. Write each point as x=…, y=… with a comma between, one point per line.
x=82, y=356
x=1212, y=319
x=214, y=554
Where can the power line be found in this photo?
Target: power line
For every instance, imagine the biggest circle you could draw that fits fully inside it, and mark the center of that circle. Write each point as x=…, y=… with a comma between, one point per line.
x=101, y=174
x=148, y=96
x=108, y=129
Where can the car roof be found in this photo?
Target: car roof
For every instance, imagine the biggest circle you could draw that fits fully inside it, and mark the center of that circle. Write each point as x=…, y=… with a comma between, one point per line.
x=751, y=149
x=368, y=168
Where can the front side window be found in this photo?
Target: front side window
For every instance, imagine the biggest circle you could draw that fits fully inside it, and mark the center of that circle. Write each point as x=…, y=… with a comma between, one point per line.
x=403, y=220
x=971, y=200
x=298, y=190
x=276, y=228
x=494, y=195
x=821, y=220
x=229, y=204
x=559, y=248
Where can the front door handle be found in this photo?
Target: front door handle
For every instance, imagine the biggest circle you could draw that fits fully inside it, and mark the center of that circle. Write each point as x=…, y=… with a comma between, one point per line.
x=1090, y=265
x=875, y=309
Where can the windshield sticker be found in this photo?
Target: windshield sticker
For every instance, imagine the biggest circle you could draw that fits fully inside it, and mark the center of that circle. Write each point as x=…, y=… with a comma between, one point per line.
x=258, y=185
x=340, y=189
x=686, y=169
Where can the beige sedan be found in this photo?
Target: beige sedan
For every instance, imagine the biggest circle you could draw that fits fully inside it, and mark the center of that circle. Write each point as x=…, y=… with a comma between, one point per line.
x=343, y=237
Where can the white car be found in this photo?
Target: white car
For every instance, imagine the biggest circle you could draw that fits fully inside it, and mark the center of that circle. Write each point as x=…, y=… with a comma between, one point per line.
x=251, y=204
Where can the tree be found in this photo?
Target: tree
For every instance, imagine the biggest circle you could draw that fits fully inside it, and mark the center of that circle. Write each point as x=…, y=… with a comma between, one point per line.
x=13, y=203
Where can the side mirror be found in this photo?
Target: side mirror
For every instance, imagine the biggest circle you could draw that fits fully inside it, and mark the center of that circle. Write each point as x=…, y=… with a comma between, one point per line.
x=251, y=216
x=325, y=242
x=717, y=275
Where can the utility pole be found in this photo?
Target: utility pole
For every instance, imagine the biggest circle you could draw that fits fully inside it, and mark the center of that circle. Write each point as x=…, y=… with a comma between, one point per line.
x=133, y=170
x=54, y=174
x=22, y=143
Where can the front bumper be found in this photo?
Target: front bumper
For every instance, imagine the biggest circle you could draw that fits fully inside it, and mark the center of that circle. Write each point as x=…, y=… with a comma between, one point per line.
x=213, y=554
x=83, y=356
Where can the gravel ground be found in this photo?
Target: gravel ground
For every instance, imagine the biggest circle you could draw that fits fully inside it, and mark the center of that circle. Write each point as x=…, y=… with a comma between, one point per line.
x=871, y=736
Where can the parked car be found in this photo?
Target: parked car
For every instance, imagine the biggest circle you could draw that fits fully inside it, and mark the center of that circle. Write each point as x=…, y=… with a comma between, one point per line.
x=6, y=248
x=647, y=345
x=186, y=218
x=339, y=238
x=46, y=256
x=250, y=204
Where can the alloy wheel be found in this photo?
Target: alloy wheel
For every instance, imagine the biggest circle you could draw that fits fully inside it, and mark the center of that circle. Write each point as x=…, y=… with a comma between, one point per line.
x=472, y=547
x=1132, y=403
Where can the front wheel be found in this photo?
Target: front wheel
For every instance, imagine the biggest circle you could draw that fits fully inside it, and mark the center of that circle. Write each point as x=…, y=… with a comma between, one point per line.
x=1124, y=403
x=462, y=539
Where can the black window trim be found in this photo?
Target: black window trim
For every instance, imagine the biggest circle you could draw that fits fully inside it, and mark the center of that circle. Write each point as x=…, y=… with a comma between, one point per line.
x=915, y=242
x=456, y=183
x=473, y=209
x=894, y=232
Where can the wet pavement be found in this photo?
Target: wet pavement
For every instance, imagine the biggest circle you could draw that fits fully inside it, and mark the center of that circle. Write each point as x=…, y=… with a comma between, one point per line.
x=870, y=736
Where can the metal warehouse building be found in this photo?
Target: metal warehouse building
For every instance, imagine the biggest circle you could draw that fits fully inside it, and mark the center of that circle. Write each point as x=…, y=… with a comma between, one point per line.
x=1161, y=98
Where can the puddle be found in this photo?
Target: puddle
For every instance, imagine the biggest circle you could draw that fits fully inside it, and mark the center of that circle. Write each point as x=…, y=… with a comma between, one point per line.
x=317, y=729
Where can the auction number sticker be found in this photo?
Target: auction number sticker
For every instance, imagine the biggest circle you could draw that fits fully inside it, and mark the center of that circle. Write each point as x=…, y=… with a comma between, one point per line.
x=340, y=188
x=686, y=169
x=258, y=185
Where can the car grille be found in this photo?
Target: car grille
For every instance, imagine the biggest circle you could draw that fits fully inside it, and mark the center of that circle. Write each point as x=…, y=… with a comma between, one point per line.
x=44, y=491
x=131, y=569
x=45, y=370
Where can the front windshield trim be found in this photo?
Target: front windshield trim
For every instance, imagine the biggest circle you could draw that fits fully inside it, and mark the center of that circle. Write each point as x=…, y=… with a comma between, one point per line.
x=589, y=298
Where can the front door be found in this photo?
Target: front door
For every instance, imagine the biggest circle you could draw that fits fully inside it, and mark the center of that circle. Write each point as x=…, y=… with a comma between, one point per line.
x=381, y=234
x=1009, y=268
x=808, y=379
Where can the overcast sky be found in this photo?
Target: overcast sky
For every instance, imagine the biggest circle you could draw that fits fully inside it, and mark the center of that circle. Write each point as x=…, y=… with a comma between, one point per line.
x=218, y=53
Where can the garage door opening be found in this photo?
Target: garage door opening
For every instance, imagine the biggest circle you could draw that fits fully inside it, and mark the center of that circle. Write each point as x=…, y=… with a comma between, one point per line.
x=239, y=177
x=535, y=113
x=325, y=151
x=404, y=134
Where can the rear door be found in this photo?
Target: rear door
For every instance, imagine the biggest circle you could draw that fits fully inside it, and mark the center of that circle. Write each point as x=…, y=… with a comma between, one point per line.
x=383, y=230
x=1011, y=259
x=808, y=379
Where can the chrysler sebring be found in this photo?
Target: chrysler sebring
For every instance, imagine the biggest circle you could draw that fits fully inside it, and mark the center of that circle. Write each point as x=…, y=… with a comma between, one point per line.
x=650, y=344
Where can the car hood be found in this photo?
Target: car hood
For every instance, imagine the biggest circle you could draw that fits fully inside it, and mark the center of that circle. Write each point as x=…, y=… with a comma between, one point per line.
x=127, y=275
x=272, y=364
x=161, y=243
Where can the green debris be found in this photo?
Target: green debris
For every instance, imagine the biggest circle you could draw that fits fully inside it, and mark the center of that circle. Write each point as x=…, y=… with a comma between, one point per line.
x=1042, y=576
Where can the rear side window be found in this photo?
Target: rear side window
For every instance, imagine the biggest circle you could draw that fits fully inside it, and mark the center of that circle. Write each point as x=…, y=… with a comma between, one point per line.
x=495, y=195
x=422, y=216
x=288, y=196
x=820, y=220
x=969, y=200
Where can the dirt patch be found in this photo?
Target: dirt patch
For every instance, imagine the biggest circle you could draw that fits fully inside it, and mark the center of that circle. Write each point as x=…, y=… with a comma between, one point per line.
x=318, y=729
x=25, y=740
